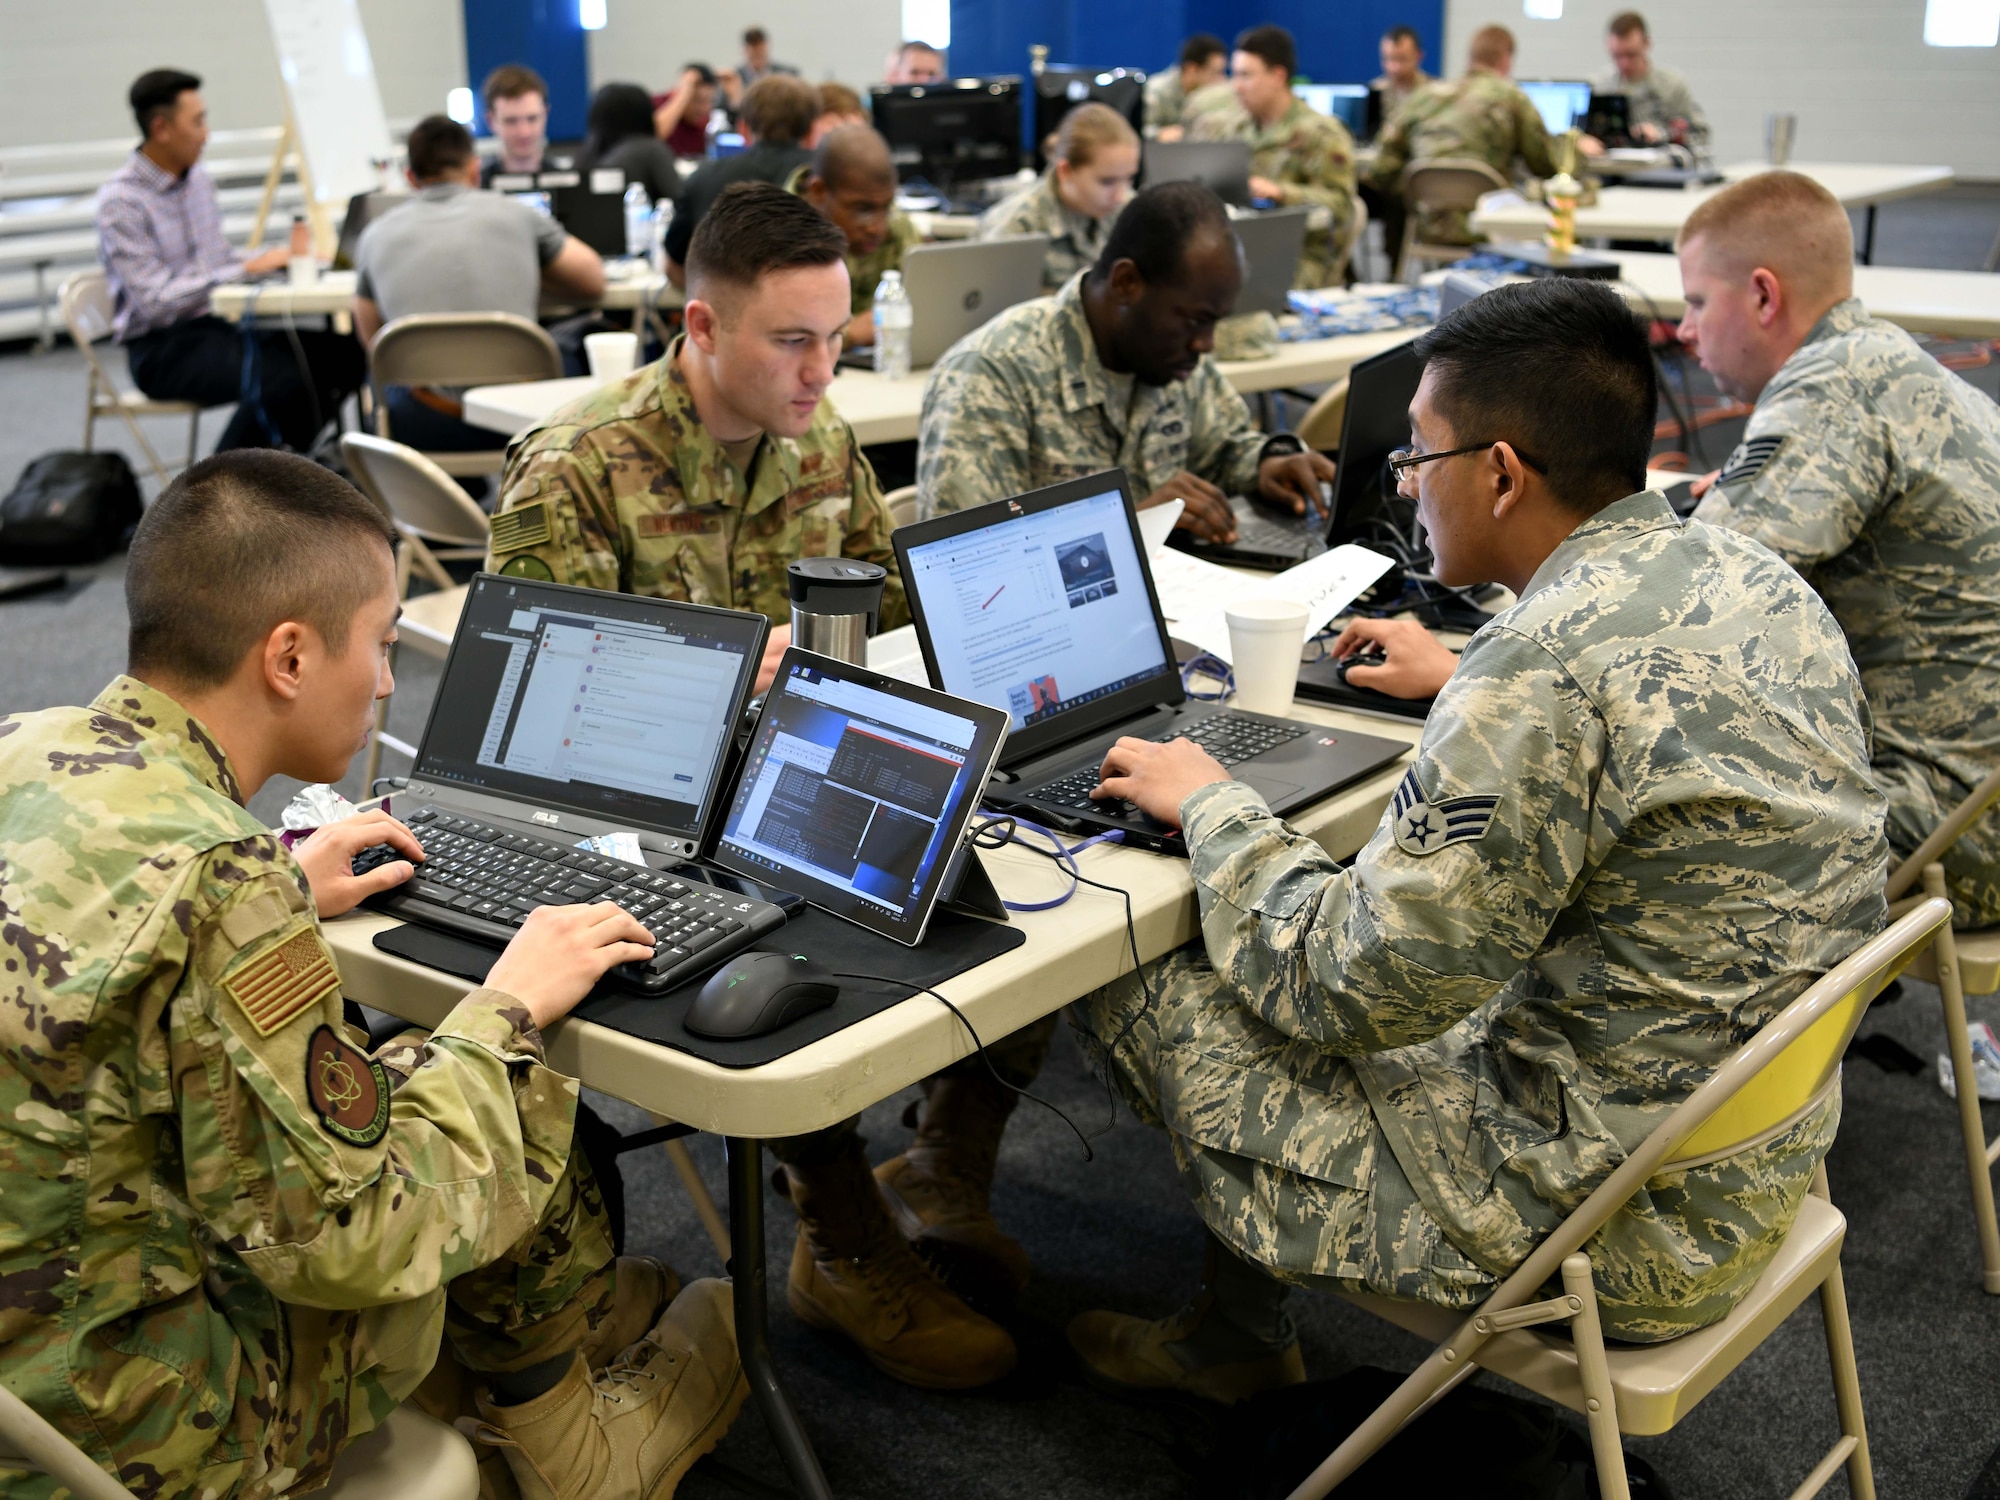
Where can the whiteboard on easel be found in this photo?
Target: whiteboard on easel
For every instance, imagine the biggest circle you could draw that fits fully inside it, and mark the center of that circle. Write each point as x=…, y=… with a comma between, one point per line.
x=335, y=102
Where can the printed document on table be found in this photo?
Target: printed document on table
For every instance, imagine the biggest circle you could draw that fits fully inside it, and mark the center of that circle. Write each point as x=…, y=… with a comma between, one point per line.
x=1201, y=591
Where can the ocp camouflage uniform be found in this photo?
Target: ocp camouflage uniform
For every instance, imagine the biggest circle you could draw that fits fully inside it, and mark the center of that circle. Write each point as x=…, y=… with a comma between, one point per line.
x=1875, y=471
x=1660, y=98
x=864, y=272
x=230, y=1239
x=1395, y=95
x=1075, y=240
x=626, y=490
x=1024, y=402
x=1164, y=98
x=1310, y=156
x=1639, y=824
x=1482, y=116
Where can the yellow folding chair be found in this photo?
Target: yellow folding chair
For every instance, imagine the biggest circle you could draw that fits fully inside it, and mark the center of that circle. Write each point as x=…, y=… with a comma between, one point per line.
x=1784, y=1072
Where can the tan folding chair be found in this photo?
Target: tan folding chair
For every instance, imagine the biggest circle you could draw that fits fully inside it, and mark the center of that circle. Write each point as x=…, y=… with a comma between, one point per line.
x=902, y=505
x=435, y=522
x=1320, y=427
x=86, y=312
x=1784, y=1072
x=1443, y=184
x=1961, y=963
x=460, y=349
x=409, y=1457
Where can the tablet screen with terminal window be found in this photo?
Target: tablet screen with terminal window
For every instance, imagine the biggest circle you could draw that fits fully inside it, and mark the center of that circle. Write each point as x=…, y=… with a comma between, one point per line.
x=856, y=791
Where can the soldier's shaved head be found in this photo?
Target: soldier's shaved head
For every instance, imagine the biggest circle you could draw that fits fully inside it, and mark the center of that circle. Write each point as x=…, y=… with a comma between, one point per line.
x=1784, y=222
x=1493, y=47
x=235, y=546
x=853, y=156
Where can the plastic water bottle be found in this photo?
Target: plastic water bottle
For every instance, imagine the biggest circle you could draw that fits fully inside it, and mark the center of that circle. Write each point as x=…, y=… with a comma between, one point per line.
x=892, y=327
x=663, y=218
x=638, y=220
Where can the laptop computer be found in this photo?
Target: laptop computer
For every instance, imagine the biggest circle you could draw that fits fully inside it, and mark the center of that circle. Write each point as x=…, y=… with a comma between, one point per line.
x=1272, y=243
x=566, y=714
x=956, y=288
x=589, y=204
x=1375, y=423
x=363, y=209
x=1223, y=167
x=1044, y=606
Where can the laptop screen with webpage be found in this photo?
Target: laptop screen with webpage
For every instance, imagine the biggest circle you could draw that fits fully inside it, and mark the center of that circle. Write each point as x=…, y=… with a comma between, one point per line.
x=608, y=704
x=1044, y=612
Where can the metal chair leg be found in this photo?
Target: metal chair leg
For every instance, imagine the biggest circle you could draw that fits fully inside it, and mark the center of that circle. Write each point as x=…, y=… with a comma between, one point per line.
x=1594, y=1371
x=1978, y=1165
x=697, y=1191
x=1846, y=1383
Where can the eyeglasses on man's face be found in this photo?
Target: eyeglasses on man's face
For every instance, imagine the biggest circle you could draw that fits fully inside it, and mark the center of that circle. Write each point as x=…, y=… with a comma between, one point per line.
x=1405, y=460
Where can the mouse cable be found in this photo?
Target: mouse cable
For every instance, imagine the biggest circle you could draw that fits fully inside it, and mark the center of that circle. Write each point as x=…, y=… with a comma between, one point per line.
x=980, y=1048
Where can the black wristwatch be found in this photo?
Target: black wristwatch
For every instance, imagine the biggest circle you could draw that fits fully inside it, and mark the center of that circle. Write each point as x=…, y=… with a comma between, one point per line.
x=1281, y=445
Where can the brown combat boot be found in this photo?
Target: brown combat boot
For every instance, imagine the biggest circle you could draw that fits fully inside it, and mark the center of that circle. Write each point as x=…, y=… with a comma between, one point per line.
x=940, y=1190
x=852, y=1273
x=1131, y=1354
x=646, y=1287
x=631, y=1430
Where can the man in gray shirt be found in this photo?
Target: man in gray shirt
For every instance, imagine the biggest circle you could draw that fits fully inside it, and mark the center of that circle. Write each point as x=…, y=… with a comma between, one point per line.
x=1659, y=105
x=456, y=249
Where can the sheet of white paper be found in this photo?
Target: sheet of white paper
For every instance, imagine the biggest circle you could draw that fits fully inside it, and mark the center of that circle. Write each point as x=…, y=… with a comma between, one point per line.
x=895, y=653
x=1325, y=585
x=1190, y=586
x=1155, y=524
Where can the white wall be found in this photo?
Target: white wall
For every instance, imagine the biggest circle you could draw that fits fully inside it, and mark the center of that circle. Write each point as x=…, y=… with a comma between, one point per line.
x=65, y=64
x=647, y=42
x=1855, y=72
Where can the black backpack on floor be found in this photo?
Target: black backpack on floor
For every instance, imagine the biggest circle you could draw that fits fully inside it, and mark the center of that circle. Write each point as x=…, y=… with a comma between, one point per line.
x=69, y=508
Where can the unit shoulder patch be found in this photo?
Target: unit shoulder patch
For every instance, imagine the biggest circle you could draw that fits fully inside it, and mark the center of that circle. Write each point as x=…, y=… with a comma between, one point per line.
x=1424, y=827
x=276, y=989
x=349, y=1090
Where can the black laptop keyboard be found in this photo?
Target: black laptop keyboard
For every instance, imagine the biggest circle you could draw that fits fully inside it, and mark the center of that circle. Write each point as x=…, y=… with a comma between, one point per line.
x=480, y=880
x=1260, y=533
x=1231, y=738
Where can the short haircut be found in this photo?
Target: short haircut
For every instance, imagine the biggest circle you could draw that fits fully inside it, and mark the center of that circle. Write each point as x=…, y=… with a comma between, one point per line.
x=236, y=545
x=753, y=229
x=1785, y=222
x=437, y=145
x=1491, y=46
x=158, y=93
x=852, y=155
x=903, y=52
x=618, y=111
x=1202, y=48
x=1088, y=129
x=755, y=36
x=1404, y=34
x=1626, y=22
x=779, y=109
x=1272, y=45
x=839, y=99
x=702, y=71
x=511, y=81
x=1156, y=228
x=1560, y=367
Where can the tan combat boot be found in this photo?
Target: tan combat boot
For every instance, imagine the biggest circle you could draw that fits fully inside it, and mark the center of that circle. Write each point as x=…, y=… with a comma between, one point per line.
x=631, y=1430
x=1131, y=1354
x=852, y=1273
x=940, y=1190
x=645, y=1289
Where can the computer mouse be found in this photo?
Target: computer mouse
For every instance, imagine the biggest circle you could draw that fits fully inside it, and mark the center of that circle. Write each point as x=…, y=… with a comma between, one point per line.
x=756, y=993
x=1359, y=659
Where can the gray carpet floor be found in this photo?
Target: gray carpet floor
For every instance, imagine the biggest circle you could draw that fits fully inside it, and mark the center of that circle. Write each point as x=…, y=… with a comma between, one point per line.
x=1117, y=1231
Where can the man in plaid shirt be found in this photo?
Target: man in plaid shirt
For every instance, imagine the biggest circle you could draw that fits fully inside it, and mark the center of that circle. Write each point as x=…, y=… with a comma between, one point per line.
x=160, y=237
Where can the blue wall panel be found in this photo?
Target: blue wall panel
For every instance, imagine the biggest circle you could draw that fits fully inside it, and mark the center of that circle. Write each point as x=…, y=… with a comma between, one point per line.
x=545, y=35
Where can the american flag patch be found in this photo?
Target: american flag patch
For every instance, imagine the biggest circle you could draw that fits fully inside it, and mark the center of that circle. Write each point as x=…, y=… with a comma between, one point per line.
x=282, y=985
x=523, y=526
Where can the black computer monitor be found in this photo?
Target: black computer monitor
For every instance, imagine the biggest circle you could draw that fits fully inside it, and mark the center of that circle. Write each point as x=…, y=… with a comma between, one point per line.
x=1609, y=119
x=1345, y=102
x=957, y=131
x=1376, y=424
x=1060, y=88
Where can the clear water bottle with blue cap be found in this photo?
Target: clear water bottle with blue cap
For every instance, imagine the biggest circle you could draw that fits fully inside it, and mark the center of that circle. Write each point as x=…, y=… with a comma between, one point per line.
x=892, y=327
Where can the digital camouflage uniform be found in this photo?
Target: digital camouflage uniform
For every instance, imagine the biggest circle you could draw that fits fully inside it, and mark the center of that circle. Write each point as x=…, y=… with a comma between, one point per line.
x=864, y=272
x=230, y=1239
x=1311, y=158
x=1482, y=116
x=1024, y=402
x=1639, y=824
x=1660, y=98
x=1875, y=471
x=1164, y=99
x=626, y=490
x=1075, y=240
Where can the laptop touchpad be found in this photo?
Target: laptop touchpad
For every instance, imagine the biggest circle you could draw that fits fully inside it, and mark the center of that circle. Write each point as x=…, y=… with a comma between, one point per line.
x=1270, y=788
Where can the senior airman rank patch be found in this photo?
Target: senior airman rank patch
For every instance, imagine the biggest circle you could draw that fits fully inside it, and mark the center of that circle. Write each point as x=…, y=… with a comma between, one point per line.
x=1424, y=827
x=1748, y=461
x=349, y=1090
x=276, y=989
x=523, y=526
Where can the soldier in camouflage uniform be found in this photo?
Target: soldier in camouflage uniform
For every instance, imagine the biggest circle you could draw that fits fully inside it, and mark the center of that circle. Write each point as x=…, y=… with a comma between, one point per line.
x=1875, y=471
x=1659, y=105
x=1203, y=61
x=1104, y=375
x=1482, y=116
x=1297, y=155
x=232, y=1239
x=852, y=180
x=1640, y=822
x=1093, y=162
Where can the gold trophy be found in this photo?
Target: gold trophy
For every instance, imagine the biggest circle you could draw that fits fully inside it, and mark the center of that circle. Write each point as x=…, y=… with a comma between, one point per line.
x=1561, y=192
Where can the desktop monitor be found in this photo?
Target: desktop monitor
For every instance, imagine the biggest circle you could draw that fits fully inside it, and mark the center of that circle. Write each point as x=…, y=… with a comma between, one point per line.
x=1345, y=102
x=957, y=131
x=1060, y=88
x=1561, y=103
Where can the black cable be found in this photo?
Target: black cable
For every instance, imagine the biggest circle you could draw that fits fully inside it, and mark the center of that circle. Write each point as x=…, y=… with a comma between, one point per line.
x=980, y=1047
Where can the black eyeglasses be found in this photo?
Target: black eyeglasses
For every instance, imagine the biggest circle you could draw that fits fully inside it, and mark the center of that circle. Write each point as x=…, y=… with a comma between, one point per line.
x=1405, y=459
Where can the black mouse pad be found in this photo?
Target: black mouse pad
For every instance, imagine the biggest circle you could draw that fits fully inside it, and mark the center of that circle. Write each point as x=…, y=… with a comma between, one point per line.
x=951, y=946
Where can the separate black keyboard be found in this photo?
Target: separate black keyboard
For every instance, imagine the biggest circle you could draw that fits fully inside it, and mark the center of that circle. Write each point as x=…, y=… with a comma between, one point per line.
x=1231, y=738
x=482, y=881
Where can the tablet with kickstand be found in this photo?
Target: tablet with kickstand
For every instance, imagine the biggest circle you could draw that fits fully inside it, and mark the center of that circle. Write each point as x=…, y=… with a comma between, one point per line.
x=856, y=792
